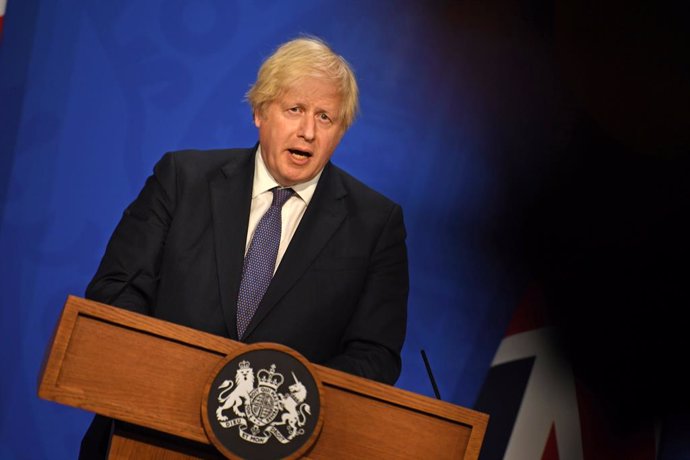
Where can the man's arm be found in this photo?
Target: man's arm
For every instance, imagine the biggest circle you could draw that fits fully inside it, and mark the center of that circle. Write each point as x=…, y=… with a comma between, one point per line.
x=128, y=273
x=375, y=335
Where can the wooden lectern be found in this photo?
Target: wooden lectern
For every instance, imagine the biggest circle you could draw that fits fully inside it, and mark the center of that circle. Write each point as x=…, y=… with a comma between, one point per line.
x=150, y=375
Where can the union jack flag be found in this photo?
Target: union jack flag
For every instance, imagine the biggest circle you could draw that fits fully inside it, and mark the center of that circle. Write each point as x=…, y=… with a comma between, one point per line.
x=541, y=411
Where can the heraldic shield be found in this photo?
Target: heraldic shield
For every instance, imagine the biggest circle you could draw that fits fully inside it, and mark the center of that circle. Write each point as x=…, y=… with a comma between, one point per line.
x=263, y=402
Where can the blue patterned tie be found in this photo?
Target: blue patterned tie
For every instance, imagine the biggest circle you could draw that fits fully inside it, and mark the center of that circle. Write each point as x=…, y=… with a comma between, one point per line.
x=260, y=261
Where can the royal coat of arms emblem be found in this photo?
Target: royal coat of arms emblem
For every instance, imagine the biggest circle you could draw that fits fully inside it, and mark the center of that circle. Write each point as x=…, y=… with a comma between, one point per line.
x=263, y=403
x=258, y=407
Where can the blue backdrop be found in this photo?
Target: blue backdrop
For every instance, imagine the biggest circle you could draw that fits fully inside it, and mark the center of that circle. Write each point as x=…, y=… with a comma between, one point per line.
x=462, y=110
x=95, y=92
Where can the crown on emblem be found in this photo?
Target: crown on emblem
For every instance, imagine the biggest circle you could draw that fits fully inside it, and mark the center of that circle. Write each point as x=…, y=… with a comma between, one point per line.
x=270, y=378
x=244, y=364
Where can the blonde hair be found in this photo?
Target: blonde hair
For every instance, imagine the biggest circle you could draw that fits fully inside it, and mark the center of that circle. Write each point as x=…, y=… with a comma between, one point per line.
x=305, y=57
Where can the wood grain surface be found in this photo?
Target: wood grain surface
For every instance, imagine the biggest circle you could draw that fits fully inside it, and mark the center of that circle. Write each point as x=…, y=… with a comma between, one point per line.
x=153, y=374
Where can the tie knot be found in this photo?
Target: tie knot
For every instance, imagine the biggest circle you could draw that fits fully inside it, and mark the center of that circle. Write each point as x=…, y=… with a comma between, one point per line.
x=281, y=195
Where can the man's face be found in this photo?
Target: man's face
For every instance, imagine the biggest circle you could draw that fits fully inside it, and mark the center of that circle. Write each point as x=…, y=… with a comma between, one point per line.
x=299, y=131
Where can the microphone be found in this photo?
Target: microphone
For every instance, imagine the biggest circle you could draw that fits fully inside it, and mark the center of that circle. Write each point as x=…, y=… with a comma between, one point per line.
x=431, y=376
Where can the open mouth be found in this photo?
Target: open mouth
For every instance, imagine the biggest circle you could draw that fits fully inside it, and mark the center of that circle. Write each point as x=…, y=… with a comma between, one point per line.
x=301, y=153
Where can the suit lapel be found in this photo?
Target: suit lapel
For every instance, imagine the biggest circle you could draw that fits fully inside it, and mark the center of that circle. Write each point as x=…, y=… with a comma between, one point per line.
x=323, y=216
x=231, y=195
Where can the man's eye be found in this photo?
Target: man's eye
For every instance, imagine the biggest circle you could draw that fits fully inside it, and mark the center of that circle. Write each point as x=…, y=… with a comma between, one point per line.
x=324, y=117
x=294, y=110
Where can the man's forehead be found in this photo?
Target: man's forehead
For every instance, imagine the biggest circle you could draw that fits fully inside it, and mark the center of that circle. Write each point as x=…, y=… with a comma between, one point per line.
x=313, y=86
x=318, y=92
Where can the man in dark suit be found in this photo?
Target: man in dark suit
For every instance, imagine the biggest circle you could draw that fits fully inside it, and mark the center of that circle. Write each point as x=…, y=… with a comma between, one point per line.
x=184, y=249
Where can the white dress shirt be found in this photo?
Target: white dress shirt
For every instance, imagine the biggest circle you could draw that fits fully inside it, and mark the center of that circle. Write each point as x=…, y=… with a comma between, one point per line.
x=293, y=209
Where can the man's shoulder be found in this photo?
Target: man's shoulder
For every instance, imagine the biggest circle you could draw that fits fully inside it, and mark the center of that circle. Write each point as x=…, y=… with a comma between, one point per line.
x=203, y=159
x=194, y=164
x=361, y=192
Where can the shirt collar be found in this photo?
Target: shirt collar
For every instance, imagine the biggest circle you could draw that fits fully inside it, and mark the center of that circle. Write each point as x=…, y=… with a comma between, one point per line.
x=263, y=181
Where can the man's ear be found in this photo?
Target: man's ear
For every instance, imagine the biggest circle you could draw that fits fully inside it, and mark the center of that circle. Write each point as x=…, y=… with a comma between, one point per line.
x=257, y=119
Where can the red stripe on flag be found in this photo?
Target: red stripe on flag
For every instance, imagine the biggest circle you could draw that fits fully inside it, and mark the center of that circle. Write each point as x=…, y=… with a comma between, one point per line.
x=529, y=314
x=3, y=6
x=551, y=447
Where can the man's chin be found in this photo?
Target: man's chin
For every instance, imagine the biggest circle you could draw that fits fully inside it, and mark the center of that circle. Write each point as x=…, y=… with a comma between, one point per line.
x=294, y=175
x=290, y=180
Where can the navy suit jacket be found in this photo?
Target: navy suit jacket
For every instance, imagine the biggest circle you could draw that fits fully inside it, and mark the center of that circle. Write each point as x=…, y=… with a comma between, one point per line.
x=339, y=295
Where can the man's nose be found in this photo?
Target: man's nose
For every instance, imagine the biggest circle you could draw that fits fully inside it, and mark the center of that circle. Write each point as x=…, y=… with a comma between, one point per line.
x=307, y=128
